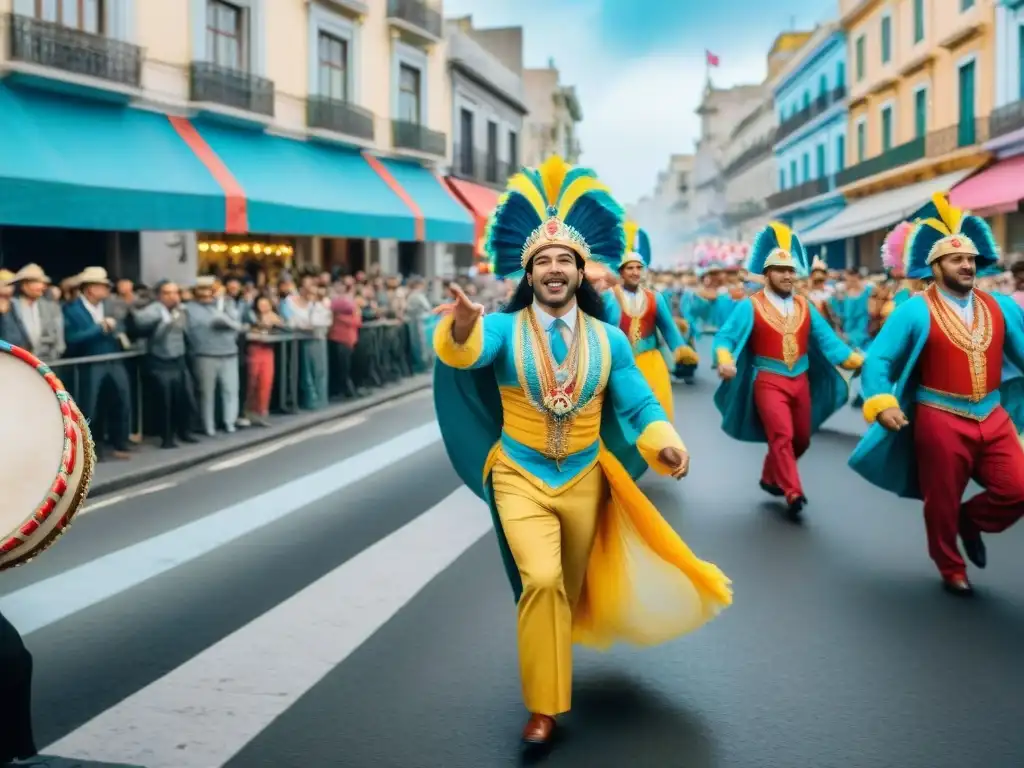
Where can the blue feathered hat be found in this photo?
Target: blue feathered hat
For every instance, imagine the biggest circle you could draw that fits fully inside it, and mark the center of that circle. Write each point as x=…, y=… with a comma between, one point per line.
x=943, y=230
x=777, y=246
x=555, y=204
x=638, y=246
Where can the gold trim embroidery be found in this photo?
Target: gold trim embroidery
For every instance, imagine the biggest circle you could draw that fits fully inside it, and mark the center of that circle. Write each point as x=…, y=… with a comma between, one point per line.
x=973, y=342
x=786, y=326
x=635, y=329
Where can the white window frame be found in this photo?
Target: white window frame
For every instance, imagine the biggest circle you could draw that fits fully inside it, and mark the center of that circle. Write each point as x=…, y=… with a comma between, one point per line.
x=888, y=104
x=892, y=39
x=860, y=121
x=323, y=19
x=924, y=85
x=256, y=40
x=463, y=102
x=417, y=59
x=118, y=19
x=839, y=162
x=962, y=62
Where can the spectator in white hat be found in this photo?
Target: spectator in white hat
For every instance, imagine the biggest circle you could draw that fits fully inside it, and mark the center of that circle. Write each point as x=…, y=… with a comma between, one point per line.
x=33, y=322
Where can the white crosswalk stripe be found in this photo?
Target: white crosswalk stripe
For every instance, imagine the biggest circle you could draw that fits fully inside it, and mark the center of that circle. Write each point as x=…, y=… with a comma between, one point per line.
x=207, y=710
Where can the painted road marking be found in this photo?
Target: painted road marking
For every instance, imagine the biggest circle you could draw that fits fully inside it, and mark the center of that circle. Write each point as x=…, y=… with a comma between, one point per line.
x=206, y=711
x=331, y=428
x=106, y=501
x=46, y=602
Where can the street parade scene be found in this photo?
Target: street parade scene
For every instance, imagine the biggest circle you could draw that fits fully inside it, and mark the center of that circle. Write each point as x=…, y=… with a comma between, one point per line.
x=368, y=406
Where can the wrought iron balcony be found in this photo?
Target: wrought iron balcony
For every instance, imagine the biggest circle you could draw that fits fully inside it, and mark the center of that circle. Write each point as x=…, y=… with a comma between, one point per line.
x=480, y=166
x=904, y=154
x=750, y=156
x=340, y=117
x=799, y=193
x=819, y=106
x=46, y=44
x=968, y=133
x=1006, y=119
x=214, y=84
x=417, y=14
x=418, y=138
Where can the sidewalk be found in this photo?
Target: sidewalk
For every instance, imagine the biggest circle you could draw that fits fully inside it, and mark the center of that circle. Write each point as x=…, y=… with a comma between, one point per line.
x=149, y=462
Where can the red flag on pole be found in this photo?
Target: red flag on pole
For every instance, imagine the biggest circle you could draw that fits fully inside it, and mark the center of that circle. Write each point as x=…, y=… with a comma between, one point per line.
x=712, y=59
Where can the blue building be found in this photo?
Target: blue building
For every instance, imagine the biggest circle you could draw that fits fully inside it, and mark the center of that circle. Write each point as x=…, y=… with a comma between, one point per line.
x=810, y=144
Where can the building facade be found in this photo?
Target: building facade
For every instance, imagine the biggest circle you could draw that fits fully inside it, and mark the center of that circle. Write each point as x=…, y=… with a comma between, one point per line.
x=553, y=119
x=488, y=110
x=319, y=124
x=921, y=88
x=749, y=171
x=666, y=214
x=810, y=143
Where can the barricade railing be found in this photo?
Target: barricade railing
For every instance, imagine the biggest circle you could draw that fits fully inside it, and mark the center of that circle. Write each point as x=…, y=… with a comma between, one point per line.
x=384, y=353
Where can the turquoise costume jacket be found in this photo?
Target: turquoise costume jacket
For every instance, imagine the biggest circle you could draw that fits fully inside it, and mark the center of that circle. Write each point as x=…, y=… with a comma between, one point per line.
x=664, y=322
x=888, y=459
x=855, y=316
x=735, y=398
x=471, y=417
x=713, y=314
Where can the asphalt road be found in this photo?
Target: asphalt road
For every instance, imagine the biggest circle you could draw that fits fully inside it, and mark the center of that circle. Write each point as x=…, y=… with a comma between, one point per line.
x=337, y=601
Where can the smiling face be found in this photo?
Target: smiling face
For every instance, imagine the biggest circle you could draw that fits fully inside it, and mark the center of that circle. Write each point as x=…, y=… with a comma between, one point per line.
x=781, y=280
x=956, y=272
x=632, y=274
x=555, y=276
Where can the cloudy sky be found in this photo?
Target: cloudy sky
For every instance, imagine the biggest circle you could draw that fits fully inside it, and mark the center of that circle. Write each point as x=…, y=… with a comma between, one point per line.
x=638, y=66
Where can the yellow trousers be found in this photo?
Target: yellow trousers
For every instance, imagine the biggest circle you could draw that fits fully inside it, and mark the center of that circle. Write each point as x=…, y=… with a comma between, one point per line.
x=551, y=538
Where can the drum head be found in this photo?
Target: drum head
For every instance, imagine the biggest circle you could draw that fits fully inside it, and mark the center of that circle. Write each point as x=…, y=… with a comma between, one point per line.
x=31, y=441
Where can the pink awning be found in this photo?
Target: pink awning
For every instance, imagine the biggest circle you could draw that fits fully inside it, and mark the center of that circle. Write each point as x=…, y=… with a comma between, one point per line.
x=997, y=189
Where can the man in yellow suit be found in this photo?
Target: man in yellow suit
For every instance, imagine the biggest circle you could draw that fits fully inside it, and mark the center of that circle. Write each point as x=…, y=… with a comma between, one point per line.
x=521, y=401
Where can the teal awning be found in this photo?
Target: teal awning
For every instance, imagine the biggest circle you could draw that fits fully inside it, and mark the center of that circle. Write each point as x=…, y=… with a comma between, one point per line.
x=80, y=164
x=445, y=218
x=296, y=187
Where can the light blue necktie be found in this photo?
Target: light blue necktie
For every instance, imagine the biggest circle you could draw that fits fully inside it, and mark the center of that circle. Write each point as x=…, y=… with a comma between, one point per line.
x=557, y=340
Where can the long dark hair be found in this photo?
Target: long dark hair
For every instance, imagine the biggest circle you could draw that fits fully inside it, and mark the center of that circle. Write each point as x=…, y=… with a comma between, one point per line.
x=587, y=297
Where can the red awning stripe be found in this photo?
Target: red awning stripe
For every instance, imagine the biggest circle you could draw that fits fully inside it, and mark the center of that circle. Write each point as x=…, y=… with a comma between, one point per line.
x=236, y=216
x=479, y=201
x=997, y=189
x=398, y=189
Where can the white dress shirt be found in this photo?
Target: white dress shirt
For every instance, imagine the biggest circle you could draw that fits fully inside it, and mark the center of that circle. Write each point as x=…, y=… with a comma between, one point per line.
x=784, y=305
x=96, y=310
x=964, y=311
x=569, y=317
x=636, y=301
x=29, y=313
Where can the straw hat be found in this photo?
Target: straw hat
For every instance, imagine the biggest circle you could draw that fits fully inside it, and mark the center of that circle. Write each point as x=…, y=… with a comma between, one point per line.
x=30, y=273
x=6, y=276
x=206, y=281
x=93, y=276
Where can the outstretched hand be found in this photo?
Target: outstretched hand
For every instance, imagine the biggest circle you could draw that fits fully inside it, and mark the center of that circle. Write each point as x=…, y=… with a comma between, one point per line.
x=464, y=313
x=893, y=419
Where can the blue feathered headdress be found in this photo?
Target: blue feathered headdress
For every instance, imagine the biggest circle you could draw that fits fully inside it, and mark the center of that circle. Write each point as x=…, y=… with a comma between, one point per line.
x=777, y=246
x=555, y=204
x=638, y=246
x=943, y=230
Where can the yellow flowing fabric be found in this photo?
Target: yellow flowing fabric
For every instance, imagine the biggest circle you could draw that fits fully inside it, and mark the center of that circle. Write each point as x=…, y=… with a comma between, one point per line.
x=655, y=371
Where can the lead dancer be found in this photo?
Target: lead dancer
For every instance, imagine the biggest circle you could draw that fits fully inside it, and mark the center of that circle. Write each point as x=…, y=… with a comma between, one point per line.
x=642, y=314
x=939, y=358
x=520, y=398
x=776, y=357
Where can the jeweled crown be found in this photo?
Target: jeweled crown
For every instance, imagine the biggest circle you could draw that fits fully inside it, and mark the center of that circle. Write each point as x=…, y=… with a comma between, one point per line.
x=554, y=231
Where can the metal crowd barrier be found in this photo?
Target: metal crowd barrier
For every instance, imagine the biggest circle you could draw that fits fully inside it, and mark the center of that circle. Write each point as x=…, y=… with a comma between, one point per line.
x=383, y=354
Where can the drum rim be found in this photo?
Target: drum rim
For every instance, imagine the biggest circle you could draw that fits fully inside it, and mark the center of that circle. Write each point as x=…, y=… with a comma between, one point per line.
x=71, y=418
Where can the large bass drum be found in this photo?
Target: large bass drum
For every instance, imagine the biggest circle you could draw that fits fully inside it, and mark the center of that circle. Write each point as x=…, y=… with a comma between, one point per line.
x=46, y=457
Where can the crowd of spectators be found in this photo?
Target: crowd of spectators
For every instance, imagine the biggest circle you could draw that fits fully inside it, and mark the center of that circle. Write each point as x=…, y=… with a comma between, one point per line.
x=180, y=362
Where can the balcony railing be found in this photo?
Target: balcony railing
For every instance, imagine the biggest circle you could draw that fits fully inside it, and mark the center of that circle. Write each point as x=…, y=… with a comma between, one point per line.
x=738, y=213
x=214, y=84
x=480, y=166
x=46, y=44
x=750, y=156
x=902, y=155
x=417, y=13
x=339, y=116
x=968, y=133
x=799, y=193
x=406, y=135
x=1006, y=119
x=821, y=104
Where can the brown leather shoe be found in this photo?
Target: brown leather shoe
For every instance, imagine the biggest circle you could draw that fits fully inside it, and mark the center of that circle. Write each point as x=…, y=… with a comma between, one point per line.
x=539, y=729
x=958, y=585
